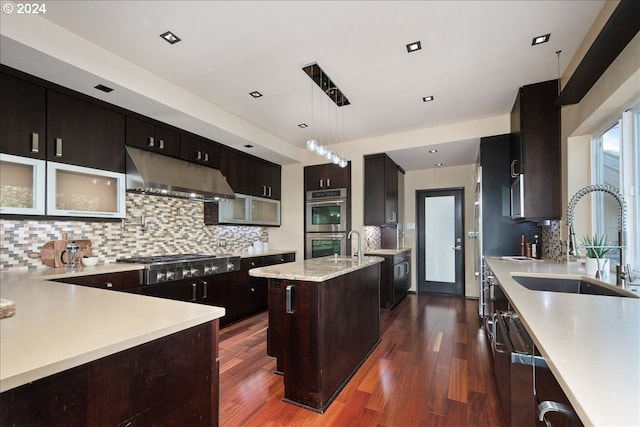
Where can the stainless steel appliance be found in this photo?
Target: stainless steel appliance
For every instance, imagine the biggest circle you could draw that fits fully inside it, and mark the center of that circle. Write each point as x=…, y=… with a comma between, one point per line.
x=326, y=210
x=325, y=244
x=170, y=268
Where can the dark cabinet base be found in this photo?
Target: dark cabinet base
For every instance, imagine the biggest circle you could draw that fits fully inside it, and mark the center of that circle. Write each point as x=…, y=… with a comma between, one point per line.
x=329, y=332
x=171, y=381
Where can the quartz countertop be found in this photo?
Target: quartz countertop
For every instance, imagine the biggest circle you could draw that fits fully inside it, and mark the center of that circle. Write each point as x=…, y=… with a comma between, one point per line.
x=590, y=342
x=58, y=326
x=315, y=269
x=386, y=251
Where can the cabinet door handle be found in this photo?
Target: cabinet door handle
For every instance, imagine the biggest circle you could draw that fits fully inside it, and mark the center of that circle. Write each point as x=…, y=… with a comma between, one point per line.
x=58, y=147
x=264, y=190
x=109, y=285
x=551, y=406
x=269, y=195
x=194, y=291
x=152, y=142
x=253, y=289
x=206, y=157
x=321, y=181
x=205, y=290
x=198, y=155
x=289, y=299
x=328, y=182
x=35, y=142
x=161, y=144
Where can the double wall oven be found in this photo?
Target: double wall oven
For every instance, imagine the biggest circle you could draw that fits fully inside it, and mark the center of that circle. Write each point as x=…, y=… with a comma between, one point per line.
x=326, y=222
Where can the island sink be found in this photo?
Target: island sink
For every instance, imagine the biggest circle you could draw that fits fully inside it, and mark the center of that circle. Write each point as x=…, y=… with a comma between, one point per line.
x=571, y=286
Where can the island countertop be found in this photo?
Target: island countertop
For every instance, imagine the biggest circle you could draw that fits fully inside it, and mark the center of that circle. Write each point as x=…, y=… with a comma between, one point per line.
x=315, y=269
x=590, y=342
x=59, y=326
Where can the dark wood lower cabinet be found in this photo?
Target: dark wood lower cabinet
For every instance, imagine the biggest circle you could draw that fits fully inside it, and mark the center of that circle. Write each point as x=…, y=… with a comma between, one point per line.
x=328, y=331
x=171, y=381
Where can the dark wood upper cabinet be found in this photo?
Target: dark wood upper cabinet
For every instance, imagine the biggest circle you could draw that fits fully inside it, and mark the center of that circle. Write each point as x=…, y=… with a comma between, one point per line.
x=234, y=165
x=265, y=179
x=325, y=176
x=380, y=190
x=197, y=149
x=152, y=136
x=23, y=118
x=82, y=133
x=535, y=149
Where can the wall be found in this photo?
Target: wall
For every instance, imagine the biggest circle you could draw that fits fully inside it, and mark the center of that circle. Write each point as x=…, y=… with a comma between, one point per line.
x=173, y=226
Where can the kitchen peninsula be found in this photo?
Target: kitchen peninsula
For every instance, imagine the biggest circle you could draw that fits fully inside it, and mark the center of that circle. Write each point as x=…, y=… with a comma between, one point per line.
x=324, y=321
x=75, y=355
x=590, y=342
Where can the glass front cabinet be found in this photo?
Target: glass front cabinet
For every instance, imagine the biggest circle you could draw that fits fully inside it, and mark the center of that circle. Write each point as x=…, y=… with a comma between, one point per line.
x=22, y=185
x=85, y=192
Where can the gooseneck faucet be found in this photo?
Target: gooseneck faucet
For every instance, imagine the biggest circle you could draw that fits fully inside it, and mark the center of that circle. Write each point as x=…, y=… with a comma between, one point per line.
x=622, y=271
x=359, y=250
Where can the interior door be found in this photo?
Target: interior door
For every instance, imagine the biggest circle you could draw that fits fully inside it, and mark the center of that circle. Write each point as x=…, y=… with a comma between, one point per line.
x=440, y=226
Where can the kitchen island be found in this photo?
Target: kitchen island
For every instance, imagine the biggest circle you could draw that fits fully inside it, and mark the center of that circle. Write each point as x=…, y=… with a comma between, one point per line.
x=74, y=355
x=590, y=342
x=324, y=321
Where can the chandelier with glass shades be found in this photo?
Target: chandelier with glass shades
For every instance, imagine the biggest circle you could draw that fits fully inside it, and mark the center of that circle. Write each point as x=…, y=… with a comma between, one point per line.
x=318, y=76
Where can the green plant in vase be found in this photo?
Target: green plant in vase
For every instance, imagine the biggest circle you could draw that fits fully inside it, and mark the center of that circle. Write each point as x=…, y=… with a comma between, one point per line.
x=597, y=247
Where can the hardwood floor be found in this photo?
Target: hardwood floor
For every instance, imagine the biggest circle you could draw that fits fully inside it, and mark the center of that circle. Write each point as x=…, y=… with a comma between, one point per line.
x=431, y=368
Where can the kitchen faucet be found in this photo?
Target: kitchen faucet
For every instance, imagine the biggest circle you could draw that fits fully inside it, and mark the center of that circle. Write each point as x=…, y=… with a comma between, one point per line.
x=623, y=272
x=359, y=250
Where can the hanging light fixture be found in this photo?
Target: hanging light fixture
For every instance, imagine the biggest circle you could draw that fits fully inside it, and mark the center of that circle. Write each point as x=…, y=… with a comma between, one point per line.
x=334, y=94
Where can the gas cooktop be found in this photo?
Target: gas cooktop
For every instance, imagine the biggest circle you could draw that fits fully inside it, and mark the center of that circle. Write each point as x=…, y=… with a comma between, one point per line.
x=169, y=268
x=157, y=259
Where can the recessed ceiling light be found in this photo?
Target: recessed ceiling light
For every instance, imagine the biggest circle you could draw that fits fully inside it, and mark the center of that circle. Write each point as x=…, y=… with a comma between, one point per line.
x=412, y=47
x=255, y=94
x=103, y=88
x=540, y=39
x=427, y=98
x=433, y=151
x=303, y=125
x=248, y=146
x=439, y=165
x=170, y=37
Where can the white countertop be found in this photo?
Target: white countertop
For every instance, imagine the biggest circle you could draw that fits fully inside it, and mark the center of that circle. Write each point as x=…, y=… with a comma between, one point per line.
x=315, y=269
x=58, y=326
x=591, y=343
x=386, y=251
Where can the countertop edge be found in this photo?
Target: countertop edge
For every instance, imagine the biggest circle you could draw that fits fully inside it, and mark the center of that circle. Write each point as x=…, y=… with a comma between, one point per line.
x=297, y=270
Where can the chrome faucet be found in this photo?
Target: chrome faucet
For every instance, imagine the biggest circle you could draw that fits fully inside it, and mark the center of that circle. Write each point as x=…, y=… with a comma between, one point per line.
x=359, y=250
x=622, y=270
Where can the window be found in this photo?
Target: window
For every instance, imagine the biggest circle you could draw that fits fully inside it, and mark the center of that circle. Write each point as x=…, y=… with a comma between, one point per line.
x=617, y=164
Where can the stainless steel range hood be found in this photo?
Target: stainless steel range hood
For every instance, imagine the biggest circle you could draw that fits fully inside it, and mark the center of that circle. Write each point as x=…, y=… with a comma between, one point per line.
x=152, y=173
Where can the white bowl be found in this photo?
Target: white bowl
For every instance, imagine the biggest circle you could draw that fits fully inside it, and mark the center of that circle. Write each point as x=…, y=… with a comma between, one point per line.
x=90, y=261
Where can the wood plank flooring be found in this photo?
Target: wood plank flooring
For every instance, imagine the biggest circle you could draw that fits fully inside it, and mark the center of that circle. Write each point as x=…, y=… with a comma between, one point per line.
x=431, y=368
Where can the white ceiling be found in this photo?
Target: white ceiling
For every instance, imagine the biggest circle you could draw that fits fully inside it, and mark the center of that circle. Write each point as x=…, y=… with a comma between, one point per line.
x=475, y=54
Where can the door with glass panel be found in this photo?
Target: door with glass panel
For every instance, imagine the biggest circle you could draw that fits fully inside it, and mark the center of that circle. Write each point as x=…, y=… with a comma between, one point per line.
x=440, y=225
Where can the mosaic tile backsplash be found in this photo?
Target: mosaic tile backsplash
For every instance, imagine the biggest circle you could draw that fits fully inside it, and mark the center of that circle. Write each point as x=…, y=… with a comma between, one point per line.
x=172, y=226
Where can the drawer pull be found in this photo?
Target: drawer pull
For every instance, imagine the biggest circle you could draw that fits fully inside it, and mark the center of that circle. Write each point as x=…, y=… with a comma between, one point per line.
x=109, y=285
x=289, y=299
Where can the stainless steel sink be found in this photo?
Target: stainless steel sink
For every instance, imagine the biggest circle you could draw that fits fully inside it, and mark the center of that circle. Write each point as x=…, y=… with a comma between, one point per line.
x=570, y=286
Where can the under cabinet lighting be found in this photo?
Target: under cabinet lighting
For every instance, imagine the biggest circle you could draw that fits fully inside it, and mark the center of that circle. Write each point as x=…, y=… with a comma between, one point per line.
x=248, y=146
x=170, y=37
x=303, y=125
x=255, y=94
x=427, y=98
x=412, y=47
x=432, y=151
x=439, y=165
x=540, y=39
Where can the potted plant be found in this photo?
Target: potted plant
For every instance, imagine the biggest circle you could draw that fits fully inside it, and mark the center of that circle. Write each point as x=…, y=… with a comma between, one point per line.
x=597, y=247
